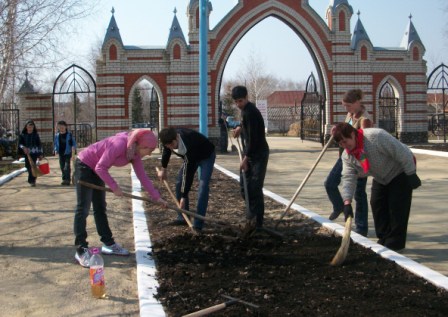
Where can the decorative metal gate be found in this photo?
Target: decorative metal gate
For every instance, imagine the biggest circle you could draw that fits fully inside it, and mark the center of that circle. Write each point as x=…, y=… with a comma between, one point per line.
x=74, y=101
x=388, y=110
x=9, y=130
x=438, y=83
x=312, y=113
x=154, y=109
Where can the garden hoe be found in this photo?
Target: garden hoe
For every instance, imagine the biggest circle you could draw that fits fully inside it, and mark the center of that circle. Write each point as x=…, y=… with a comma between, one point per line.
x=195, y=215
x=299, y=189
x=340, y=256
x=246, y=193
x=215, y=308
x=187, y=219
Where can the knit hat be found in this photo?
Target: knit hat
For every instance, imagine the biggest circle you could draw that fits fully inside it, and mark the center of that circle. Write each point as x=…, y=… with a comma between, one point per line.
x=144, y=138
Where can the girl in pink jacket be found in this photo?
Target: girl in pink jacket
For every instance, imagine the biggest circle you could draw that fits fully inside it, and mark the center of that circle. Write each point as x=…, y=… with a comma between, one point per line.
x=92, y=165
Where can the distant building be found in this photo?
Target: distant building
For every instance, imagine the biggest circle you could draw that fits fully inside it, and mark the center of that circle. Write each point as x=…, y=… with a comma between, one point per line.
x=283, y=108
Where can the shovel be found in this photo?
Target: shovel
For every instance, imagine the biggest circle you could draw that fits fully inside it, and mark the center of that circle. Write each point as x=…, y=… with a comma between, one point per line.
x=340, y=256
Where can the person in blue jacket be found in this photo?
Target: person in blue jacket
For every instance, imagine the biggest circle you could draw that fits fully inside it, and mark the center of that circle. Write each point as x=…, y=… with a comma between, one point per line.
x=65, y=147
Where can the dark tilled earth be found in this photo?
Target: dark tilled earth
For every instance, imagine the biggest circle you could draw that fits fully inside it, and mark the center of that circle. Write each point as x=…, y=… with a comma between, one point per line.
x=289, y=276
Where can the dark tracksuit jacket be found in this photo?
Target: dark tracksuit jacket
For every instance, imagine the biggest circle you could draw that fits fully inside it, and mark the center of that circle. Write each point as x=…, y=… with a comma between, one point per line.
x=198, y=148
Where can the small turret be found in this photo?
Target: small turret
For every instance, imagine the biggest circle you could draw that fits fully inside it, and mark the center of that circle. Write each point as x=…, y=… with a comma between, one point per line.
x=359, y=34
x=410, y=35
x=113, y=32
x=27, y=87
x=176, y=30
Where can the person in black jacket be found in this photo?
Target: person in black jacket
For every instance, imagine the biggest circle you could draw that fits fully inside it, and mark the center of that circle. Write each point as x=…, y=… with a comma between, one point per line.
x=255, y=157
x=196, y=151
x=29, y=143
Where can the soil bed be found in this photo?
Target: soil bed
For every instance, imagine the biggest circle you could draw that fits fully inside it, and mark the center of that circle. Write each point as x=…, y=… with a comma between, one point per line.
x=284, y=277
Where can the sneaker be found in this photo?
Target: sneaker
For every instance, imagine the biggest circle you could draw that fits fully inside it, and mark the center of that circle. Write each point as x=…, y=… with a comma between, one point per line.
x=334, y=215
x=33, y=184
x=83, y=258
x=114, y=249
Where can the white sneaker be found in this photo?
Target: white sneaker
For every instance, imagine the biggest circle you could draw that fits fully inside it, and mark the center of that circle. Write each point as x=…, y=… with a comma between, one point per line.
x=114, y=249
x=84, y=258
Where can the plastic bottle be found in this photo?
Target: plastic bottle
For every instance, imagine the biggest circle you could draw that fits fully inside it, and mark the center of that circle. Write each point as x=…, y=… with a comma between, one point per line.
x=97, y=274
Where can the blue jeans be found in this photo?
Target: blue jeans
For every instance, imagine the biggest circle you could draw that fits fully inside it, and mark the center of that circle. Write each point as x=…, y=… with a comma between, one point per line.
x=205, y=174
x=362, y=210
x=85, y=197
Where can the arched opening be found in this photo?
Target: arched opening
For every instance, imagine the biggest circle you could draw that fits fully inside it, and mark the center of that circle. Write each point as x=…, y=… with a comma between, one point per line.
x=415, y=54
x=113, y=52
x=259, y=73
x=363, y=53
x=342, y=26
x=388, y=109
x=145, y=106
x=176, y=51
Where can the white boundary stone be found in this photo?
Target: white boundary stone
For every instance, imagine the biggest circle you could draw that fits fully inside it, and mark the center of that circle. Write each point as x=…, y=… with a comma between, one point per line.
x=146, y=268
x=7, y=178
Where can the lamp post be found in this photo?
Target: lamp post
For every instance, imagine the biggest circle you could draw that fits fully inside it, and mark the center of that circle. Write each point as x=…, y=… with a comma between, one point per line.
x=203, y=65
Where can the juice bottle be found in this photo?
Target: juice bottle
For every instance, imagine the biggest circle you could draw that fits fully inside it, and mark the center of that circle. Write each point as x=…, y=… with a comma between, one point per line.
x=97, y=274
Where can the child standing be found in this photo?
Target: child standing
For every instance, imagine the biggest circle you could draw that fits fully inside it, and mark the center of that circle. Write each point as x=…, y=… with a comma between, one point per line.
x=29, y=143
x=65, y=146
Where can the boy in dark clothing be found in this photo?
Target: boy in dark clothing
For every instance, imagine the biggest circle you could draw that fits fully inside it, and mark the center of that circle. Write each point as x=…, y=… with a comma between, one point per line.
x=255, y=156
x=31, y=147
x=196, y=151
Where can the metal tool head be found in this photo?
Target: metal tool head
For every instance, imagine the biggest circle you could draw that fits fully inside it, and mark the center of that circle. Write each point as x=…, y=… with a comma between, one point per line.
x=241, y=301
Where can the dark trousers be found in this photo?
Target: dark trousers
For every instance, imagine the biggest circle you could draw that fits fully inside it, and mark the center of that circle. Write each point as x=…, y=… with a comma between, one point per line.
x=85, y=197
x=255, y=180
x=391, y=205
x=64, y=164
x=31, y=178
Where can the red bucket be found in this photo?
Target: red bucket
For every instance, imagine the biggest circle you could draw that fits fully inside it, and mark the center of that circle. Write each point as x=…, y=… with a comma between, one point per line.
x=44, y=167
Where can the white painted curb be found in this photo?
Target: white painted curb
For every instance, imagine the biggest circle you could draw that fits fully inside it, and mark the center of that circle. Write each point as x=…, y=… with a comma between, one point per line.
x=7, y=178
x=431, y=276
x=146, y=268
x=429, y=152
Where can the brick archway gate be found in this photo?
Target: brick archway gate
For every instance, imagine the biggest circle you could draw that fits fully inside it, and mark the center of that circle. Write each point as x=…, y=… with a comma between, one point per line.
x=343, y=61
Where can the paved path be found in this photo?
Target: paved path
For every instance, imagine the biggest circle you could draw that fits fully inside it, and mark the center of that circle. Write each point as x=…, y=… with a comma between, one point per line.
x=291, y=159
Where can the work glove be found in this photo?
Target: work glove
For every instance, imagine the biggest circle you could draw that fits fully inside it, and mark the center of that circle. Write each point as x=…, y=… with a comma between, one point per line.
x=414, y=181
x=348, y=211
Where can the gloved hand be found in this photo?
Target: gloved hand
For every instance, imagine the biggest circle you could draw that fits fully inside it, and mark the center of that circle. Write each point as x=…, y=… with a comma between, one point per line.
x=414, y=181
x=348, y=211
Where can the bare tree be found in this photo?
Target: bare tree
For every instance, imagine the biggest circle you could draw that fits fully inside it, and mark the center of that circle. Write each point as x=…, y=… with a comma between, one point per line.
x=254, y=76
x=33, y=34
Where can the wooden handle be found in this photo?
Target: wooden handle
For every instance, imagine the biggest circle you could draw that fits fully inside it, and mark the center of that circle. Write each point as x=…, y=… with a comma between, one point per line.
x=93, y=186
x=299, y=189
x=35, y=171
x=186, y=218
x=211, y=309
x=243, y=174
